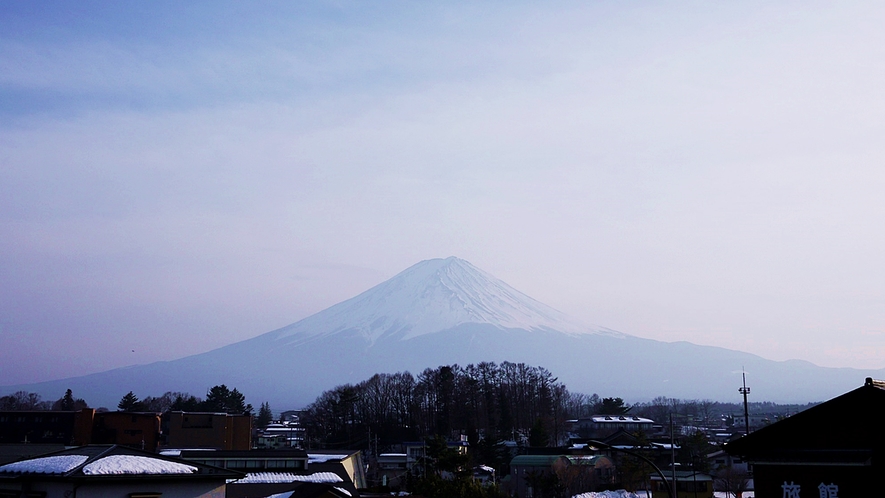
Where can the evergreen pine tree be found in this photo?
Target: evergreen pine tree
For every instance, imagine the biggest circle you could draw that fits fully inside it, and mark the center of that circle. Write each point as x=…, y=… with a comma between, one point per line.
x=265, y=416
x=67, y=401
x=130, y=403
x=538, y=437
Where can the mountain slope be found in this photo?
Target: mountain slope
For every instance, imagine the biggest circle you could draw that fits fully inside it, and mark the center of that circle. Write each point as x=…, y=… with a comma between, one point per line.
x=432, y=296
x=447, y=311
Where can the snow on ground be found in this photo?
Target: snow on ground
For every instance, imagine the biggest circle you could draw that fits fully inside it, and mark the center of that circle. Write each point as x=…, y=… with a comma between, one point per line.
x=58, y=464
x=132, y=464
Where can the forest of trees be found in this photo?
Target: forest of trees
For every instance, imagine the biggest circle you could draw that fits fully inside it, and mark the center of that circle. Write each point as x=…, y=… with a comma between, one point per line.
x=496, y=401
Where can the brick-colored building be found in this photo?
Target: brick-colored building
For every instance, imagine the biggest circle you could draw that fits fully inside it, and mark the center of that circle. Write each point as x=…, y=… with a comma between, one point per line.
x=133, y=429
x=221, y=431
x=137, y=430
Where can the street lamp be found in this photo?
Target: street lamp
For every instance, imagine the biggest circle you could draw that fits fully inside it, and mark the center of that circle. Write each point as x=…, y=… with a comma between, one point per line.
x=609, y=447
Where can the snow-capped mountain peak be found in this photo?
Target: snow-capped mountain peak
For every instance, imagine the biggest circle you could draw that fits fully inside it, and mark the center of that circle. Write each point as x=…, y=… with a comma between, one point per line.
x=433, y=296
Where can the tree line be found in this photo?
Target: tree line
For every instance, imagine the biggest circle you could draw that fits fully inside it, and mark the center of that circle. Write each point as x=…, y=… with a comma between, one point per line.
x=507, y=401
x=500, y=401
x=28, y=401
x=218, y=399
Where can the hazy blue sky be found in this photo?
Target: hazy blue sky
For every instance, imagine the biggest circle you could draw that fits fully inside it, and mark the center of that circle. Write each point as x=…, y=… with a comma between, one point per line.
x=178, y=176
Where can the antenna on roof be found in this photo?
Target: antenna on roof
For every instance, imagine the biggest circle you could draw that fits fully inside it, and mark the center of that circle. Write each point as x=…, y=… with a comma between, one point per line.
x=745, y=391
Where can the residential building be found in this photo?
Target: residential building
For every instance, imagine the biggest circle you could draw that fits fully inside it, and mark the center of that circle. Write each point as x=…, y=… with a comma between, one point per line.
x=86, y=426
x=277, y=471
x=293, y=460
x=829, y=450
x=392, y=469
x=221, y=431
x=135, y=429
x=101, y=471
x=577, y=473
x=38, y=427
x=347, y=463
x=599, y=426
x=689, y=484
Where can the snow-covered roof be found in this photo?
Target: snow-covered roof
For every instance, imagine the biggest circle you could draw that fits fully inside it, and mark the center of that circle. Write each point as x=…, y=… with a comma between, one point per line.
x=133, y=464
x=174, y=452
x=321, y=457
x=266, y=478
x=111, y=460
x=287, y=494
x=608, y=494
x=666, y=446
x=320, y=477
x=59, y=464
x=278, y=477
x=613, y=419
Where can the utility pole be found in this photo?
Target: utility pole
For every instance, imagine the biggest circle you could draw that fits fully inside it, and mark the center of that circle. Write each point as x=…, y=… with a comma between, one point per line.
x=672, y=453
x=745, y=391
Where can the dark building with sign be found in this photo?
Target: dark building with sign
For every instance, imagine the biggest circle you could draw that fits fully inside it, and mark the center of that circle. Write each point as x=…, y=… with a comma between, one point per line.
x=833, y=450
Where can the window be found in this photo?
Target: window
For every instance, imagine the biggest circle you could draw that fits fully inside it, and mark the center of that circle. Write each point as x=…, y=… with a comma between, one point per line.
x=285, y=464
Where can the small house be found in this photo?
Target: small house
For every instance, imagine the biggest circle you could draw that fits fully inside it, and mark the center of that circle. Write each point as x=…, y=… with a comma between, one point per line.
x=100, y=471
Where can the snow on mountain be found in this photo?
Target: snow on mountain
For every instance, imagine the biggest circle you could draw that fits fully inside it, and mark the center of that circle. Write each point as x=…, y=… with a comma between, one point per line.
x=444, y=312
x=433, y=296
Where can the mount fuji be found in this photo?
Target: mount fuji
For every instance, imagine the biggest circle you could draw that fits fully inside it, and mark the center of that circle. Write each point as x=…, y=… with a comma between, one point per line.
x=444, y=312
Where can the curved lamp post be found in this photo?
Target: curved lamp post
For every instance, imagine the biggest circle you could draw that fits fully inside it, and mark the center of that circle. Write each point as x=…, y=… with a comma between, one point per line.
x=609, y=447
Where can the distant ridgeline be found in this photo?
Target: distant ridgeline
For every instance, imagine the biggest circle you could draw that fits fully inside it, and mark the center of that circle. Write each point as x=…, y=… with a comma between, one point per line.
x=448, y=312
